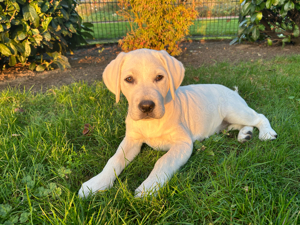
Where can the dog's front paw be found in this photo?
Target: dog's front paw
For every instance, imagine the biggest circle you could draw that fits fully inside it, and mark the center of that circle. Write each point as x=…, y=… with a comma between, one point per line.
x=97, y=183
x=147, y=188
x=267, y=134
x=143, y=192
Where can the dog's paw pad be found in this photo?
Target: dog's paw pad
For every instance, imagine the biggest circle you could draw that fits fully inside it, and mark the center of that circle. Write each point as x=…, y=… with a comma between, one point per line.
x=245, y=137
x=250, y=133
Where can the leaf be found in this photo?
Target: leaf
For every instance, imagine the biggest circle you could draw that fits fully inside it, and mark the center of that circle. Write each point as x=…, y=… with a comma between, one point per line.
x=287, y=39
x=87, y=128
x=46, y=22
x=32, y=66
x=270, y=42
x=71, y=27
x=12, y=60
x=291, y=97
x=245, y=8
x=296, y=31
x=40, y=68
x=64, y=3
x=4, y=210
x=38, y=38
x=29, y=13
x=88, y=24
x=13, y=48
x=253, y=18
x=49, y=44
x=45, y=7
x=234, y=41
x=26, y=45
x=27, y=180
x=19, y=34
x=62, y=172
x=87, y=35
x=268, y=4
x=24, y=217
x=255, y=33
x=35, y=31
x=22, y=2
x=47, y=36
x=209, y=152
x=65, y=14
x=242, y=23
x=286, y=6
x=241, y=30
x=19, y=47
x=283, y=25
x=4, y=50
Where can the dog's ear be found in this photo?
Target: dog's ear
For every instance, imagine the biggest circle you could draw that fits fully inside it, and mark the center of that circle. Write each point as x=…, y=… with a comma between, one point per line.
x=112, y=75
x=174, y=69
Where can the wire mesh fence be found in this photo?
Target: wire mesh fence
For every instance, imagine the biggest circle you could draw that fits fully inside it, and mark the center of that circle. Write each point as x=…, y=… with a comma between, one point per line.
x=217, y=18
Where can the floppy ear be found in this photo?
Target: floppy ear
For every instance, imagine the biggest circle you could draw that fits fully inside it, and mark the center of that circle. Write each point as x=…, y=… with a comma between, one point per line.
x=112, y=75
x=174, y=69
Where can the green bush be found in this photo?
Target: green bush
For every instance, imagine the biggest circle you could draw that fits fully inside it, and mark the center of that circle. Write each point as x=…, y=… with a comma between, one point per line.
x=278, y=21
x=30, y=28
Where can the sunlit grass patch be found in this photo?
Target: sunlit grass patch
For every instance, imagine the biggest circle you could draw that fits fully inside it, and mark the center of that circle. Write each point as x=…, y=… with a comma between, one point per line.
x=45, y=156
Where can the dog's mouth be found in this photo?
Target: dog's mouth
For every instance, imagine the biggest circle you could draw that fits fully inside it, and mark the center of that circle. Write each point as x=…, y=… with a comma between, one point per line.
x=147, y=116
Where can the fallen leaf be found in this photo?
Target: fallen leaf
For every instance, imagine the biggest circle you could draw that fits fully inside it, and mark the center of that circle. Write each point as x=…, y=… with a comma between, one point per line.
x=19, y=110
x=87, y=129
x=16, y=135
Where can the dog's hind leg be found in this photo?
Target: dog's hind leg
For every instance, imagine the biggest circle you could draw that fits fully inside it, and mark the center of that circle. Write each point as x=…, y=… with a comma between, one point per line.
x=243, y=117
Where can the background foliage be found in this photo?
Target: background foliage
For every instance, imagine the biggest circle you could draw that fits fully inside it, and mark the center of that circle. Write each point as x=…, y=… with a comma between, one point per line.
x=30, y=28
x=156, y=24
x=275, y=20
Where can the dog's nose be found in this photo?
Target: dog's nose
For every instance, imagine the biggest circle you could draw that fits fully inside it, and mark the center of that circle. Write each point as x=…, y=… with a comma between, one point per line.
x=146, y=106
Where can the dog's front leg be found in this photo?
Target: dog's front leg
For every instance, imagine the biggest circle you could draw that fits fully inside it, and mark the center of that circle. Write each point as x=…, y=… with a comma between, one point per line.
x=128, y=149
x=165, y=167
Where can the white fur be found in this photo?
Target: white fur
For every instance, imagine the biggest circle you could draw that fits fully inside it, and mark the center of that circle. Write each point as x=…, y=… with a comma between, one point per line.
x=181, y=116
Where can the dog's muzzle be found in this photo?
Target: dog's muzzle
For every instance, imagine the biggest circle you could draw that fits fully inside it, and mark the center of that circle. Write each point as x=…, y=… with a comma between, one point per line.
x=146, y=106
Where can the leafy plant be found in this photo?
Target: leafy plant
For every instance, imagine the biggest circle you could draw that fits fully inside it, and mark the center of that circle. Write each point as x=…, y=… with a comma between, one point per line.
x=278, y=21
x=29, y=28
x=156, y=24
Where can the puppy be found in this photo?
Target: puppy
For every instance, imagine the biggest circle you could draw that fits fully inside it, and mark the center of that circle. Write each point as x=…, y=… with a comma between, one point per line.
x=168, y=117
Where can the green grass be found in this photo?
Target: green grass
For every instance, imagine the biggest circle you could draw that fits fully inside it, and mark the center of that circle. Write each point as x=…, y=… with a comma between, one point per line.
x=44, y=157
x=212, y=28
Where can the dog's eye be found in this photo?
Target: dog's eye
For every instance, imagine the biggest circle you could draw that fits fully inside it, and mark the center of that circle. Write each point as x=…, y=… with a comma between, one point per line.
x=129, y=79
x=159, y=77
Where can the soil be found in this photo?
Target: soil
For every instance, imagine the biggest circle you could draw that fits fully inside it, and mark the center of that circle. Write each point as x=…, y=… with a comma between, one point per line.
x=88, y=63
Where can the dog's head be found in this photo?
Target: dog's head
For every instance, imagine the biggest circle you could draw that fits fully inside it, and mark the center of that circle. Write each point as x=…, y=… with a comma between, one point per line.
x=146, y=77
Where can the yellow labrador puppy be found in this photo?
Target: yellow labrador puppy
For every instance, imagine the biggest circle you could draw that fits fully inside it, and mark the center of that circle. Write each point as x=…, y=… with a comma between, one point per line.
x=168, y=117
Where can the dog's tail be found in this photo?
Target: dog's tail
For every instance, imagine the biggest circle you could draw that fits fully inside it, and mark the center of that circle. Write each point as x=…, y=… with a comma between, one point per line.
x=236, y=89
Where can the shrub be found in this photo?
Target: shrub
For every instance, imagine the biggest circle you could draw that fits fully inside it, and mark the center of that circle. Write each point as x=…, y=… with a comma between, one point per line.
x=29, y=28
x=274, y=20
x=156, y=24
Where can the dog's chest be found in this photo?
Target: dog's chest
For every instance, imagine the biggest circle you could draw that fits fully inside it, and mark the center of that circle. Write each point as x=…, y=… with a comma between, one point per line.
x=154, y=133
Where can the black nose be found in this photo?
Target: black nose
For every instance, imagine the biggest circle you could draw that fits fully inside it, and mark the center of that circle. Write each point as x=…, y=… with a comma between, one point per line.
x=146, y=106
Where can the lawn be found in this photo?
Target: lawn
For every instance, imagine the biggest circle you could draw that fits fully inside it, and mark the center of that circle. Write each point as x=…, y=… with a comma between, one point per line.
x=209, y=27
x=44, y=156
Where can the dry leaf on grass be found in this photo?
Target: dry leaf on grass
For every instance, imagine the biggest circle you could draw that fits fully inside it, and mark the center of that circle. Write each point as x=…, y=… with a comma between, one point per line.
x=87, y=129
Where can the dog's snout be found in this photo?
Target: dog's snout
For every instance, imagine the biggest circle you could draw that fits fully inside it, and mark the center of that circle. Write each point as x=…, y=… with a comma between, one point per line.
x=146, y=106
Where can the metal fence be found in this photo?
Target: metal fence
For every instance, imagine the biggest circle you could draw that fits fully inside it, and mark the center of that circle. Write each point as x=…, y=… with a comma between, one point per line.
x=217, y=18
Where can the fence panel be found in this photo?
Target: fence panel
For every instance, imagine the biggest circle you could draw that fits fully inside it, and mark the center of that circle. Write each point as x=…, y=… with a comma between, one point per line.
x=217, y=18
